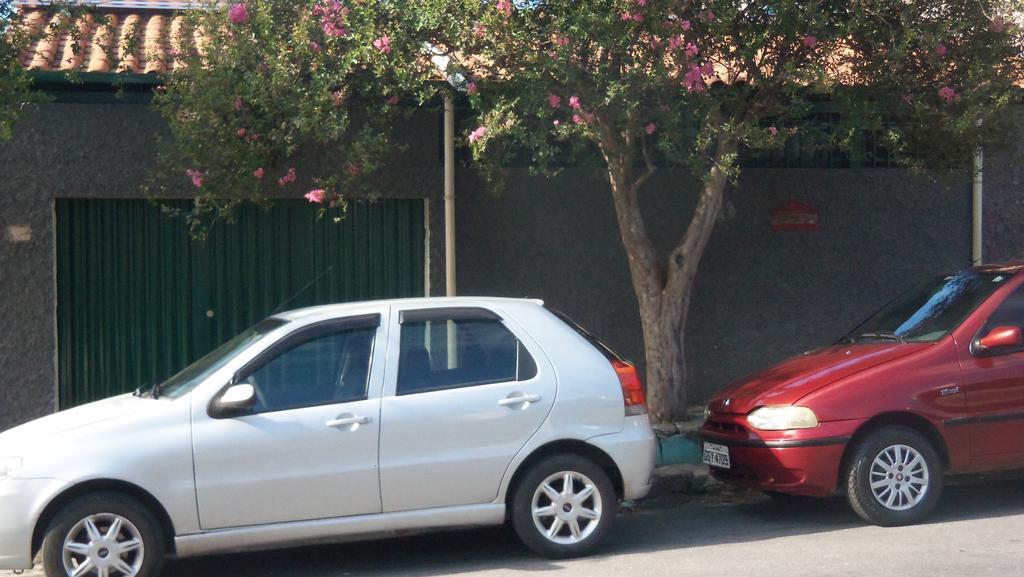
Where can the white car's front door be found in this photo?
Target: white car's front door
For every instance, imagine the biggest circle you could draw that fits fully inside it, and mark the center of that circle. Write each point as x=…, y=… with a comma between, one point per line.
x=464, y=396
x=307, y=449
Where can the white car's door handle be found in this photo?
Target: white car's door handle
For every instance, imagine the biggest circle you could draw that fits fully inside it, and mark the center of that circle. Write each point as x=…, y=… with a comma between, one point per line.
x=342, y=421
x=518, y=399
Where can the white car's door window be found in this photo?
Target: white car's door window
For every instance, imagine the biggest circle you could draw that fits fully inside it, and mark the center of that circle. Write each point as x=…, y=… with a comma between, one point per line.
x=326, y=369
x=449, y=354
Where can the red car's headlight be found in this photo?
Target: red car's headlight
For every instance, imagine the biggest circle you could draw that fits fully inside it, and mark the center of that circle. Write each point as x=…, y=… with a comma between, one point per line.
x=782, y=418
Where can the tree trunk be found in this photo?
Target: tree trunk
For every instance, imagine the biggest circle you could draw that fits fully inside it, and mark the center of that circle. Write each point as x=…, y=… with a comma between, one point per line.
x=663, y=287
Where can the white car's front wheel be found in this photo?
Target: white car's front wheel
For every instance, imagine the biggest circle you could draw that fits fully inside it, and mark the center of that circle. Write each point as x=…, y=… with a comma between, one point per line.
x=563, y=506
x=104, y=535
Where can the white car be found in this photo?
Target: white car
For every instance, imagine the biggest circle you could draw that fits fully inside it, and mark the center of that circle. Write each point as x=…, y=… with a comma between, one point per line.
x=337, y=422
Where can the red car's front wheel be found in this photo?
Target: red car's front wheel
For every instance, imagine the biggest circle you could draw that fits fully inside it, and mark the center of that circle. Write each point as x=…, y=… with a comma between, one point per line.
x=894, y=477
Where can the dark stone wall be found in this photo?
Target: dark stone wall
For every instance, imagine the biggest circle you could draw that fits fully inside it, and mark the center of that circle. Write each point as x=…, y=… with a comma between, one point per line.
x=108, y=150
x=1003, y=177
x=760, y=296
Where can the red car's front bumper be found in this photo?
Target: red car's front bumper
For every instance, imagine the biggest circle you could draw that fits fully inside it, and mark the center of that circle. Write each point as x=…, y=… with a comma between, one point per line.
x=801, y=462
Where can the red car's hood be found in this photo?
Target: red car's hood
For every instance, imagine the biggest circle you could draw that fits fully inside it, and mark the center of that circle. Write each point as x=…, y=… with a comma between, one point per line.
x=796, y=377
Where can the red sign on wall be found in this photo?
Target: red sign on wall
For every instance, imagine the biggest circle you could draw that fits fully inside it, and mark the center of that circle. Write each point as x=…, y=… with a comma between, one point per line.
x=795, y=215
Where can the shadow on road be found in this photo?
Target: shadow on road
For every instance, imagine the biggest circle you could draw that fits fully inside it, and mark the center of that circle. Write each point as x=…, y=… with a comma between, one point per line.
x=646, y=530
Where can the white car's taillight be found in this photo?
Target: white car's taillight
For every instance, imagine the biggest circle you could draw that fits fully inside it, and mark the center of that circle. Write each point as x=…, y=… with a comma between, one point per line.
x=632, y=388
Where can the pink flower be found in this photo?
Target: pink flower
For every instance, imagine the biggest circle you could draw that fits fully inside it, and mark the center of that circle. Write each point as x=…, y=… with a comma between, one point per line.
x=238, y=13
x=638, y=17
x=941, y=50
x=477, y=135
x=471, y=88
x=332, y=17
x=479, y=30
x=383, y=44
x=562, y=40
x=626, y=17
x=237, y=104
x=332, y=29
x=504, y=6
x=948, y=94
x=554, y=100
x=691, y=50
x=675, y=42
x=314, y=47
x=651, y=128
x=641, y=2
x=694, y=79
x=707, y=16
x=315, y=196
x=997, y=26
x=393, y=100
x=196, y=176
x=258, y=173
x=810, y=41
x=574, y=102
x=686, y=25
x=578, y=119
x=287, y=178
x=772, y=130
x=241, y=132
x=557, y=123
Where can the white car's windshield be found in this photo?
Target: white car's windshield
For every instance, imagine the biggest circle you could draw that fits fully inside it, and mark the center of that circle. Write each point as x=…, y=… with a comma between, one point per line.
x=190, y=377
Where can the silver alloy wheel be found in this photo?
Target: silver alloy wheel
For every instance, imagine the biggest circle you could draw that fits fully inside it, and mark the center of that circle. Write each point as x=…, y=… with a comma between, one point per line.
x=899, y=477
x=104, y=544
x=566, y=507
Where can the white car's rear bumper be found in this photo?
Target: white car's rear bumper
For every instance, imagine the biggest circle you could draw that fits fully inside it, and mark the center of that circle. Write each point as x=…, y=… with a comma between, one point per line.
x=634, y=449
x=21, y=503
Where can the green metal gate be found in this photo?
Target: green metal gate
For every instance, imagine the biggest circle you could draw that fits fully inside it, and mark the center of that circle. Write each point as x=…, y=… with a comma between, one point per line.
x=138, y=299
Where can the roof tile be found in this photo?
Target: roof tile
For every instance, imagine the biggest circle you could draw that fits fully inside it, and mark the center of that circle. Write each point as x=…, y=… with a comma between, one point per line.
x=137, y=41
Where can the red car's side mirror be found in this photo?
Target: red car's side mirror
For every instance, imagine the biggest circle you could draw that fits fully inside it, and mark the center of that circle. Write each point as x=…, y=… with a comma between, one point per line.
x=1000, y=338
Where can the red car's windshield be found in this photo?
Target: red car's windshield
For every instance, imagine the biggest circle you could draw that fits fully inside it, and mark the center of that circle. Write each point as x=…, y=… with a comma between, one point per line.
x=930, y=311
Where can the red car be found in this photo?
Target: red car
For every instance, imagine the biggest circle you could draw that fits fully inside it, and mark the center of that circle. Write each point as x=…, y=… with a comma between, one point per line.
x=930, y=385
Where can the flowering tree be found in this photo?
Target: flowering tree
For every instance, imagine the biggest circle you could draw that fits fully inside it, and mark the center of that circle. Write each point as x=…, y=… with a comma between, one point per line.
x=639, y=84
x=15, y=84
x=275, y=95
x=651, y=83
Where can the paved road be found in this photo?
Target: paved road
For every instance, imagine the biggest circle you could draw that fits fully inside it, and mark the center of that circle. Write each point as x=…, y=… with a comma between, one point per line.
x=978, y=530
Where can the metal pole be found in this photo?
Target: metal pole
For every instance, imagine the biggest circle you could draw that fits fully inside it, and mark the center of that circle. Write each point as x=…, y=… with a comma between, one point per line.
x=449, y=194
x=977, y=197
x=449, y=220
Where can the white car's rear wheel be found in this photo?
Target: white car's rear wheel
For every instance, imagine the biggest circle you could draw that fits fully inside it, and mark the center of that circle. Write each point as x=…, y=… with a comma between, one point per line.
x=563, y=506
x=103, y=535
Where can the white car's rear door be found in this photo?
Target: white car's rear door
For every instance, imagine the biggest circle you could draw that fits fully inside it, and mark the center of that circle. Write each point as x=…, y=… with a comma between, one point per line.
x=465, y=394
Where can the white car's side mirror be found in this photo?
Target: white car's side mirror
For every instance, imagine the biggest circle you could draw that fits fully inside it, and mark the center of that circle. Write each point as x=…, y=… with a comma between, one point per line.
x=234, y=400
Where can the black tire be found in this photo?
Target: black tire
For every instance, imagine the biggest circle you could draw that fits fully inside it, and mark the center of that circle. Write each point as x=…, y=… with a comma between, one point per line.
x=859, y=478
x=523, y=499
x=104, y=508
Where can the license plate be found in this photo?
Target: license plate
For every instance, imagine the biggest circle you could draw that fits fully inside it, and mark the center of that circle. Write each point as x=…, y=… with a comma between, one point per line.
x=717, y=455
